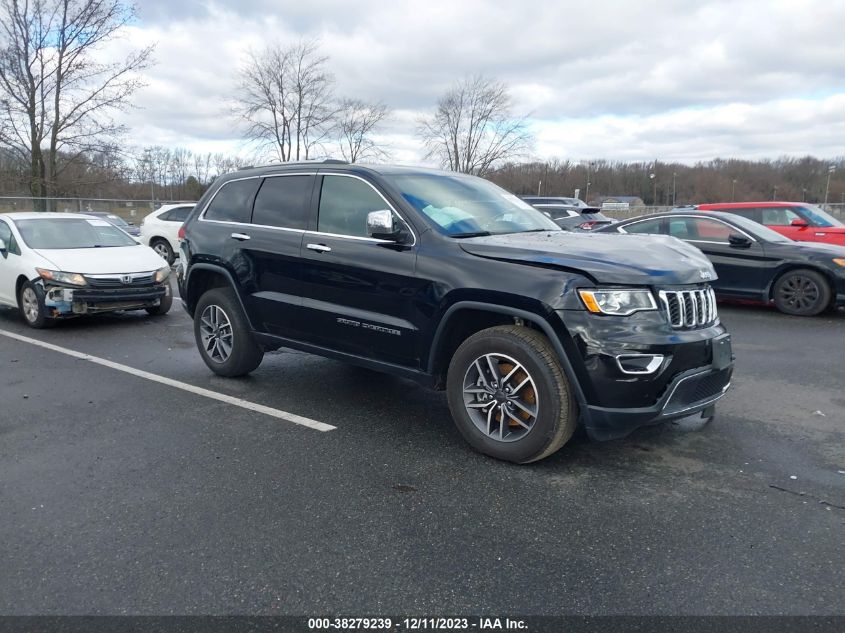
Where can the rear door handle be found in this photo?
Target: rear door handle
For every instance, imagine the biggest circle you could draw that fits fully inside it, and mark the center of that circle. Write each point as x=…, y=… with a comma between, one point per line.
x=240, y=236
x=320, y=248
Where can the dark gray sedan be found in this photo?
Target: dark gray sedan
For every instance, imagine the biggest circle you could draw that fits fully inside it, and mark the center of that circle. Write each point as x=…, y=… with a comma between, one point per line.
x=116, y=220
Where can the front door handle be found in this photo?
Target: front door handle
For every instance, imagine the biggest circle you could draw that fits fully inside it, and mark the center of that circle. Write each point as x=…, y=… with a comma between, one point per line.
x=320, y=248
x=240, y=236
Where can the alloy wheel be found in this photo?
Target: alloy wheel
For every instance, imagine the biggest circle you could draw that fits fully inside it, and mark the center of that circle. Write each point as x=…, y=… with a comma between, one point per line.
x=500, y=397
x=216, y=333
x=29, y=300
x=800, y=292
x=162, y=250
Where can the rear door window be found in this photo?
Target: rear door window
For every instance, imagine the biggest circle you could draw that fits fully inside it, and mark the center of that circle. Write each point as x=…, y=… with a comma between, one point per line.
x=646, y=226
x=176, y=215
x=233, y=202
x=779, y=216
x=752, y=213
x=283, y=202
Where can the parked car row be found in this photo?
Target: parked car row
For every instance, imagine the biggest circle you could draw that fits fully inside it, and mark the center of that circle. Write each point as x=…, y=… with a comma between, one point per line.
x=754, y=261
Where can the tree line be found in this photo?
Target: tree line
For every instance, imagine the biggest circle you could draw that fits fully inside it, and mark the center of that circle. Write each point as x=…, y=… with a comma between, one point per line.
x=58, y=137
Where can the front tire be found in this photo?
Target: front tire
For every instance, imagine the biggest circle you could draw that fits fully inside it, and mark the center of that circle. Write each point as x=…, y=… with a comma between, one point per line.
x=802, y=292
x=223, y=335
x=32, y=308
x=509, y=396
x=164, y=305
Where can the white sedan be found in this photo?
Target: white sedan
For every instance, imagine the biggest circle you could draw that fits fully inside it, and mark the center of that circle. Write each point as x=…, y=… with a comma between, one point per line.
x=160, y=229
x=60, y=265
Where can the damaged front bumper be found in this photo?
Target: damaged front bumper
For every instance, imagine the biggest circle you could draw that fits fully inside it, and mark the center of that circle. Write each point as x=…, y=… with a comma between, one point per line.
x=62, y=301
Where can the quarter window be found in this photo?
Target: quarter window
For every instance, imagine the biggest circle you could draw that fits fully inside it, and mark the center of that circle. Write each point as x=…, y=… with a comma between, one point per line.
x=233, y=202
x=344, y=205
x=283, y=201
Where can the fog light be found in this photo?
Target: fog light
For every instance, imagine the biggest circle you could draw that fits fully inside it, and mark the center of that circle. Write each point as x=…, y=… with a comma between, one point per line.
x=639, y=363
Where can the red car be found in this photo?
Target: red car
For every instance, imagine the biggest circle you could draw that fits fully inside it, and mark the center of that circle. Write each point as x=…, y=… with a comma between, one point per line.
x=796, y=220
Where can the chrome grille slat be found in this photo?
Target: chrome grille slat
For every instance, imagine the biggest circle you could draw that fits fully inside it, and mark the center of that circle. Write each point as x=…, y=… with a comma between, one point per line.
x=116, y=281
x=689, y=308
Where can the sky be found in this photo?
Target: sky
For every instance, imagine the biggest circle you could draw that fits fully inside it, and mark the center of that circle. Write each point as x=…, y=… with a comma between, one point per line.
x=672, y=80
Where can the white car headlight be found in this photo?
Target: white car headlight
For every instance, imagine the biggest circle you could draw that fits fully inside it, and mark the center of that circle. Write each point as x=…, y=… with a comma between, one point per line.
x=73, y=279
x=617, y=301
x=162, y=274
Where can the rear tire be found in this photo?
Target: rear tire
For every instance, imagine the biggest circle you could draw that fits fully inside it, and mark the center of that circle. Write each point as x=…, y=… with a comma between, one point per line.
x=802, y=292
x=528, y=380
x=223, y=334
x=162, y=247
x=32, y=308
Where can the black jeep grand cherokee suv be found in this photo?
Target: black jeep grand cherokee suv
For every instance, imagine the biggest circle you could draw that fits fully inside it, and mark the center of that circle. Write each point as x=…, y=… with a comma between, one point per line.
x=452, y=281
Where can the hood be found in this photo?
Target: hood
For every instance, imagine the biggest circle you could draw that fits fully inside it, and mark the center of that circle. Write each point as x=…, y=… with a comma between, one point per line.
x=645, y=260
x=102, y=261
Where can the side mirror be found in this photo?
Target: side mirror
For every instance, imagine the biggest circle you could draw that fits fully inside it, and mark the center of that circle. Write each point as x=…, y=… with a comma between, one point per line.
x=738, y=241
x=3, y=250
x=381, y=225
x=800, y=223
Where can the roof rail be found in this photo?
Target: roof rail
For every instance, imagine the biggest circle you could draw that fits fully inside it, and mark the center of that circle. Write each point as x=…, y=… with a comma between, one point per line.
x=324, y=161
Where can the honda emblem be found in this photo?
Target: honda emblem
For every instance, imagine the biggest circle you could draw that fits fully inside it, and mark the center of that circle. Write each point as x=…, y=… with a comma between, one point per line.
x=127, y=279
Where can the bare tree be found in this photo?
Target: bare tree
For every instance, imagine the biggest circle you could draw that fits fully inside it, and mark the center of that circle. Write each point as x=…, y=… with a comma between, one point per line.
x=356, y=122
x=285, y=97
x=55, y=96
x=473, y=129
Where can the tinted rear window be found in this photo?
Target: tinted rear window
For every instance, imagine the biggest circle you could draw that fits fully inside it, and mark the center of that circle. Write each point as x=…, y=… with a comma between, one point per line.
x=283, y=201
x=233, y=202
x=176, y=215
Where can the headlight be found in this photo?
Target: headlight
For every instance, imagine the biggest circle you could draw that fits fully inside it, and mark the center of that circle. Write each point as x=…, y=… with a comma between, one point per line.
x=162, y=274
x=74, y=279
x=839, y=261
x=618, y=302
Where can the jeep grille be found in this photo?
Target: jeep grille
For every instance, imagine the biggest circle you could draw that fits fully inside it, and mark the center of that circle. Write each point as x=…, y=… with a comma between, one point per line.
x=689, y=308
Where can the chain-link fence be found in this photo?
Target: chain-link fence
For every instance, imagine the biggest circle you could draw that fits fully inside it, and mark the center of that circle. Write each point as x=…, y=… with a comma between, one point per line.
x=129, y=210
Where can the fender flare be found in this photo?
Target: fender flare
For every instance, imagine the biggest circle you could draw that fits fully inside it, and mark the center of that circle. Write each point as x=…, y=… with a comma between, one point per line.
x=533, y=317
x=231, y=281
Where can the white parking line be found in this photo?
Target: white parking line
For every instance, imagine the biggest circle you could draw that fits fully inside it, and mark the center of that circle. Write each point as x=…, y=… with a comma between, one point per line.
x=238, y=402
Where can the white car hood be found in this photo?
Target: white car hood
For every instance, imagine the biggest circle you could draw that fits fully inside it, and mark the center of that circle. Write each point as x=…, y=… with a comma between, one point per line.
x=102, y=261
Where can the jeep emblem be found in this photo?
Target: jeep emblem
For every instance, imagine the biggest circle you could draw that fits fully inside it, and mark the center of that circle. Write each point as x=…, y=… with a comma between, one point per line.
x=705, y=275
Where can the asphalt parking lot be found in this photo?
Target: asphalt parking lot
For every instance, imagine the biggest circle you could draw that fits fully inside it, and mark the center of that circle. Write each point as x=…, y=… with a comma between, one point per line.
x=121, y=495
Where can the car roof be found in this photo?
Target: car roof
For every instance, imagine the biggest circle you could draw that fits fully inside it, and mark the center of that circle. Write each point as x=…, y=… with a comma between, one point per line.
x=328, y=166
x=692, y=212
x=746, y=205
x=42, y=215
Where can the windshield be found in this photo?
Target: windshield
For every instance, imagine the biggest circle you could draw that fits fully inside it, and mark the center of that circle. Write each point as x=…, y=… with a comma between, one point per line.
x=758, y=230
x=116, y=220
x=464, y=206
x=820, y=217
x=57, y=233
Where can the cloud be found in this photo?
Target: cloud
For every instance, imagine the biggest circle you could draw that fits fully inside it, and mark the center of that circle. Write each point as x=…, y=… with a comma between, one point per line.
x=664, y=79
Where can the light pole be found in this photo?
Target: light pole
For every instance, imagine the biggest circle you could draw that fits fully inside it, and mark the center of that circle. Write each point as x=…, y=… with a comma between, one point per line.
x=733, y=190
x=674, y=176
x=539, y=184
x=830, y=171
x=775, y=193
x=803, y=194
x=653, y=178
x=587, y=191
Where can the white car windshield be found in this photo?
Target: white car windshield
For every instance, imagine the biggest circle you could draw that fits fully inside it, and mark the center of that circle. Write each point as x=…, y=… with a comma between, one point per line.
x=464, y=206
x=61, y=233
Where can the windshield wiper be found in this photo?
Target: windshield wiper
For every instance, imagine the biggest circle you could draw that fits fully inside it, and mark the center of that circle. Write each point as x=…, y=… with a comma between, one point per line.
x=471, y=234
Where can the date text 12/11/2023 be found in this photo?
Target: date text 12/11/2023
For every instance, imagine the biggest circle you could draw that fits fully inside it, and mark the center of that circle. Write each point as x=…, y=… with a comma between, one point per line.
x=419, y=624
